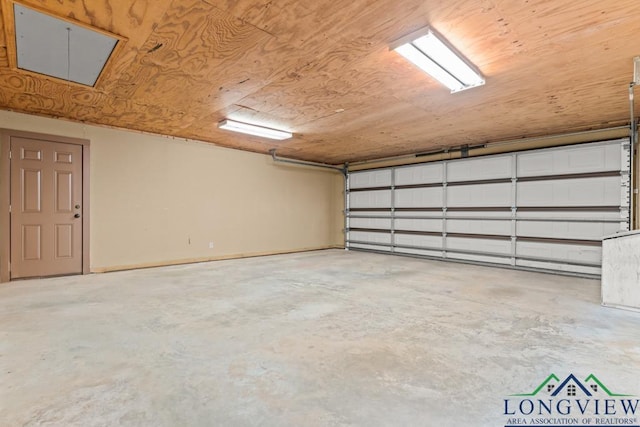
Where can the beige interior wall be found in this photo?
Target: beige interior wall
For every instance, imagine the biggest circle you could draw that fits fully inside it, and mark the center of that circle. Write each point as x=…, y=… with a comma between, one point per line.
x=157, y=200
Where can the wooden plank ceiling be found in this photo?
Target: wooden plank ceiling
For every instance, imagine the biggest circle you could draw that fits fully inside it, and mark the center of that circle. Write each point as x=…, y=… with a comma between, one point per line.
x=323, y=69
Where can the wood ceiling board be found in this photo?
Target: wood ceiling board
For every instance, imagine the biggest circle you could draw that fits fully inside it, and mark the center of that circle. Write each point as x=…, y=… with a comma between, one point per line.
x=402, y=136
x=549, y=68
x=457, y=130
x=4, y=56
x=86, y=105
x=549, y=22
x=338, y=81
x=344, y=80
x=203, y=57
x=4, y=59
x=322, y=87
x=317, y=25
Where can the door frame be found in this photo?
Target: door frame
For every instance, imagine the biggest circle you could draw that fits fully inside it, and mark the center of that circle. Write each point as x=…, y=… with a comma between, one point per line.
x=5, y=195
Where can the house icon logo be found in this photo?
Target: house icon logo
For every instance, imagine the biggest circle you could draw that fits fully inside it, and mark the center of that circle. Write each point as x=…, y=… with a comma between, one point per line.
x=571, y=387
x=571, y=401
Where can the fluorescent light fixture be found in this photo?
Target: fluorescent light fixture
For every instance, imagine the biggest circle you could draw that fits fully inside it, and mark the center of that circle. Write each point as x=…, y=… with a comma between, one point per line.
x=254, y=130
x=432, y=55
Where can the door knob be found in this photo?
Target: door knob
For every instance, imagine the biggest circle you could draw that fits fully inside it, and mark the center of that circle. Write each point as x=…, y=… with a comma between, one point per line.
x=76, y=216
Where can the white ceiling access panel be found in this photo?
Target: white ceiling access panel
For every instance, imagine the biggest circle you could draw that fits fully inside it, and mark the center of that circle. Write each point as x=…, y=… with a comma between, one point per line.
x=58, y=48
x=544, y=209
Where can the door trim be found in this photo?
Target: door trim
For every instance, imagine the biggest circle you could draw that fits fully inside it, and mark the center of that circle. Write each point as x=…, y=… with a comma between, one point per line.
x=5, y=195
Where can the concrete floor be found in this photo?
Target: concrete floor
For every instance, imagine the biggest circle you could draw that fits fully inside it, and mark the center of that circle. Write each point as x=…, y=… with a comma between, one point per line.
x=310, y=339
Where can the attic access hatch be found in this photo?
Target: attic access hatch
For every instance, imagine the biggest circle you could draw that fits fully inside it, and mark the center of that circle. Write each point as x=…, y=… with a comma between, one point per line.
x=57, y=47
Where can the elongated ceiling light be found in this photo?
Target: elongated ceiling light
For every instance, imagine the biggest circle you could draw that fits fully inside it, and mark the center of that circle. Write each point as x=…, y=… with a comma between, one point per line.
x=436, y=58
x=254, y=130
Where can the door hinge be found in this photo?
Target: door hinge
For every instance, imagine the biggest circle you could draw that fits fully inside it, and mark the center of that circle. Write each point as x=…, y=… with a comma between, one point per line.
x=9, y=208
x=9, y=154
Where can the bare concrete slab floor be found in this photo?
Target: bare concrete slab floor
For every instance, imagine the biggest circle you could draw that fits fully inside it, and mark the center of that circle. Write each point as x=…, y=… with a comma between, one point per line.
x=311, y=339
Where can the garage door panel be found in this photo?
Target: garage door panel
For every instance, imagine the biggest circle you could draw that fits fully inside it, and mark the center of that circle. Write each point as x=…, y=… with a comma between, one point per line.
x=570, y=192
x=418, y=197
x=604, y=215
x=435, y=213
x=418, y=224
x=377, y=178
x=566, y=230
x=572, y=160
x=558, y=267
x=378, y=223
x=506, y=215
x=369, y=247
x=421, y=174
x=479, y=258
x=370, y=199
x=479, y=245
x=421, y=252
x=494, y=167
x=370, y=237
x=500, y=228
x=432, y=242
x=557, y=251
x=491, y=195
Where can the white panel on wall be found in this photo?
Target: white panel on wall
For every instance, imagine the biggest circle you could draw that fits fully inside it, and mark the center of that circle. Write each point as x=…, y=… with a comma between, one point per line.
x=479, y=227
x=418, y=224
x=364, y=236
x=570, y=160
x=574, y=253
x=570, y=192
x=490, y=167
x=566, y=230
x=418, y=197
x=490, y=195
x=381, y=223
x=370, y=199
x=420, y=174
x=433, y=242
x=479, y=245
x=376, y=178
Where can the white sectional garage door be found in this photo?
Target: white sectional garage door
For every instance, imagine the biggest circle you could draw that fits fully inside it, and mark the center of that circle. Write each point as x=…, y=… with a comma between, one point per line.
x=544, y=209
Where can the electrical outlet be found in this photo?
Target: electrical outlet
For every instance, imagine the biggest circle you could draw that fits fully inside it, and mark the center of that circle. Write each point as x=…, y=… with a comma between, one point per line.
x=210, y=245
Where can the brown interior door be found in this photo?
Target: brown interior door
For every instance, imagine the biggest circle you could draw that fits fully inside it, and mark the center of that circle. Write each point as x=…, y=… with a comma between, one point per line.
x=46, y=207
